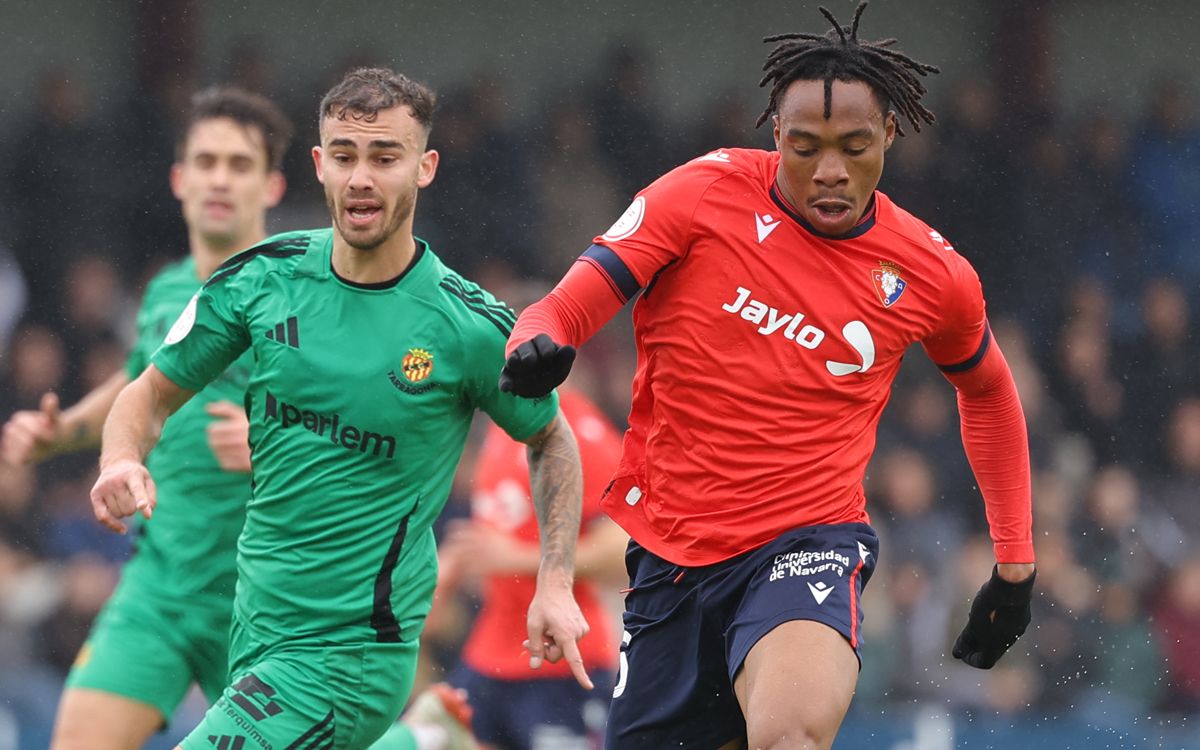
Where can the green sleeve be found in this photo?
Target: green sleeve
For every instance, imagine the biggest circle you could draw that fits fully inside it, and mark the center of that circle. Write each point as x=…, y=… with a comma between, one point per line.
x=146, y=341
x=208, y=336
x=521, y=418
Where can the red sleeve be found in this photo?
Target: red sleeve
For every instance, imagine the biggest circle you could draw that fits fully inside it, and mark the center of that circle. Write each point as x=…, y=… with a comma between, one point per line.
x=995, y=439
x=992, y=421
x=962, y=318
x=652, y=234
x=655, y=230
x=572, y=312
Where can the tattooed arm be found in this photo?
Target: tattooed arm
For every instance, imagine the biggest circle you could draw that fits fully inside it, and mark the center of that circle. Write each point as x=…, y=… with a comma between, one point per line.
x=555, y=623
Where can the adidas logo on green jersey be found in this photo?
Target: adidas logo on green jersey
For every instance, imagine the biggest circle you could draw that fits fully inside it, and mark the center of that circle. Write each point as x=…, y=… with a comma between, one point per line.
x=347, y=436
x=286, y=333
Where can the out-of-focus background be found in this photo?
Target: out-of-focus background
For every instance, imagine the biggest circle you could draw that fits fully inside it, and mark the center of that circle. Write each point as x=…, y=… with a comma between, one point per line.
x=1065, y=164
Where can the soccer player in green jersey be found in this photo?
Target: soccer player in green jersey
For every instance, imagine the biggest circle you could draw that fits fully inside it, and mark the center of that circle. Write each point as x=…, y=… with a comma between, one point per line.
x=370, y=358
x=167, y=624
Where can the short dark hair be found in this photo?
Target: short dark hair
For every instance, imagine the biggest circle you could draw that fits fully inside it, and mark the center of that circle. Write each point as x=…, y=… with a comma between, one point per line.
x=839, y=55
x=365, y=92
x=245, y=108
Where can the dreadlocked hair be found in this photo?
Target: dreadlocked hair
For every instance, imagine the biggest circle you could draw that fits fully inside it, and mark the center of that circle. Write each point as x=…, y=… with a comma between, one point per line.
x=838, y=54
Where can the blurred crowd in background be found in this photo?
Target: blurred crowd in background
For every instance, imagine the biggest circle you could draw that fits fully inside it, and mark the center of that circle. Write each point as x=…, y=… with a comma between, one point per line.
x=1083, y=230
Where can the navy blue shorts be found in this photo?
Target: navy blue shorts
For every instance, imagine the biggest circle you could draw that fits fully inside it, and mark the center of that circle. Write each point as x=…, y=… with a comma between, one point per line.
x=540, y=714
x=688, y=630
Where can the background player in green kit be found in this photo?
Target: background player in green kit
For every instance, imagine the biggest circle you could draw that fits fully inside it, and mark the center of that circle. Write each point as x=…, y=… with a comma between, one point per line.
x=166, y=626
x=370, y=358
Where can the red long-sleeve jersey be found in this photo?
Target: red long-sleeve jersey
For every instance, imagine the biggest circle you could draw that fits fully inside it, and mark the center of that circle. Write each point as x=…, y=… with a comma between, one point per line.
x=766, y=354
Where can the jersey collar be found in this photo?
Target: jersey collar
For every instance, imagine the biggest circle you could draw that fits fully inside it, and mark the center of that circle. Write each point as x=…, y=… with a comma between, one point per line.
x=862, y=227
x=318, y=262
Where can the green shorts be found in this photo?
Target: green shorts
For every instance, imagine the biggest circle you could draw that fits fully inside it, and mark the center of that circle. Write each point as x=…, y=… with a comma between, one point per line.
x=306, y=694
x=150, y=647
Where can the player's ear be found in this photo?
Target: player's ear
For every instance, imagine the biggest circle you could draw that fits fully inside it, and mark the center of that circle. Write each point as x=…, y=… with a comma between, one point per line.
x=889, y=129
x=427, y=169
x=316, y=155
x=176, y=180
x=775, y=131
x=276, y=187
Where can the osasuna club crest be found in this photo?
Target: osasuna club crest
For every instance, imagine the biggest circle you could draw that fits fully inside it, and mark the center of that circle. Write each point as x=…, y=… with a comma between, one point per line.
x=889, y=283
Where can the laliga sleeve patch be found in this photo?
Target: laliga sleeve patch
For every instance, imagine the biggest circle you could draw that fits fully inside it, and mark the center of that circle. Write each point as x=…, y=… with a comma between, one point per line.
x=629, y=221
x=183, y=325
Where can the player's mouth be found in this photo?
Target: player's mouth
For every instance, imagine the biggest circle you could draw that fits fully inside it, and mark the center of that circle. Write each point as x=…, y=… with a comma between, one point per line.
x=218, y=209
x=362, y=213
x=829, y=214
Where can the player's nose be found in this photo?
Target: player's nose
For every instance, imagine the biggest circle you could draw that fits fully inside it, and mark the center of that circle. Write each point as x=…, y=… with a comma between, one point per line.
x=360, y=177
x=830, y=171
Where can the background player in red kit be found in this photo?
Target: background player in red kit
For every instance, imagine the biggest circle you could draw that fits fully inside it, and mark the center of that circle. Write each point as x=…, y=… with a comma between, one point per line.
x=779, y=292
x=515, y=707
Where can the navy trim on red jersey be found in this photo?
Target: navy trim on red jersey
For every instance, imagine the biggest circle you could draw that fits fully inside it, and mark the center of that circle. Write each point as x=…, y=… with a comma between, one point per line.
x=975, y=359
x=614, y=269
x=862, y=227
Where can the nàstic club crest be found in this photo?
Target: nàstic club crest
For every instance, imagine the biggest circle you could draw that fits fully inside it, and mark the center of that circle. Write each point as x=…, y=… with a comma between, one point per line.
x=417, y=365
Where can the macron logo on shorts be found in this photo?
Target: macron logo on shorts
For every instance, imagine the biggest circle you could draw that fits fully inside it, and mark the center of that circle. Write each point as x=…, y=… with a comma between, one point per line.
x=820, y=591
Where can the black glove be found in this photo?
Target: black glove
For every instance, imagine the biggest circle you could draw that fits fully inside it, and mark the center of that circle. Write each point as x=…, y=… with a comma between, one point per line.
x=536, y=367
x=999, y=615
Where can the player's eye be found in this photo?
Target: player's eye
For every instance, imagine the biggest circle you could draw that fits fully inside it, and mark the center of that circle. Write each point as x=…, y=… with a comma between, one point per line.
x=856, y=151
x=806, y=152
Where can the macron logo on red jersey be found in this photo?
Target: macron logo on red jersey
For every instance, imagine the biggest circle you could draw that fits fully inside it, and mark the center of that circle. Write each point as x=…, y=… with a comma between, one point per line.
x=765, y=224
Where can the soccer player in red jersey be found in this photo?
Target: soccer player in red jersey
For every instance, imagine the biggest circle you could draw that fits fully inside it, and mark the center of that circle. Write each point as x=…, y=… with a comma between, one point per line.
x=779, y=292
x=515, y=707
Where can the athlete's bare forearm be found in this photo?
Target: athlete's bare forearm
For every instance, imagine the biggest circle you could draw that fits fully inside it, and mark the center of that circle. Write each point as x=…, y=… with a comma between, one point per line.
x=83, y=423
x=556, y=481
x=137, y=416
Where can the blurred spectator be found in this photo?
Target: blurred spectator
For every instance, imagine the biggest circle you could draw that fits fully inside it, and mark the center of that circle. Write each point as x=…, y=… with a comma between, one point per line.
x=1092, y=398
x=1166, y=180
x=12, y=296
x=627, y=120
x=906, y=511
x=1108, y=242
x=574, y=186
x=728, y=122
x=1107, y=538
x=978, y=193
x=1175, y=491
x=60, y=160
x=1127, y=676
x=1159, y=367
x=1043, y=242
x=37, y=363
x=479, y=206
x=1177, y=618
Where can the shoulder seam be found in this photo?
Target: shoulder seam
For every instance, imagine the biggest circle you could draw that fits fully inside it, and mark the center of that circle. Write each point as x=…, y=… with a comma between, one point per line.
x=279, y=249
x=499, y=316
